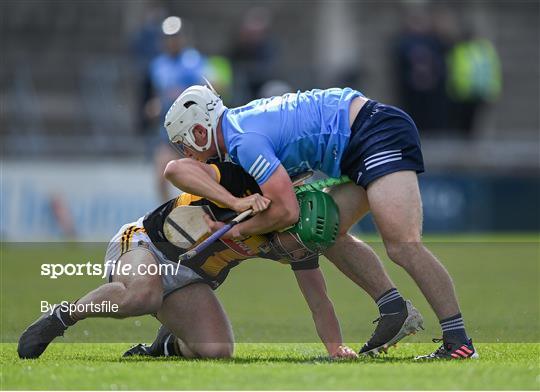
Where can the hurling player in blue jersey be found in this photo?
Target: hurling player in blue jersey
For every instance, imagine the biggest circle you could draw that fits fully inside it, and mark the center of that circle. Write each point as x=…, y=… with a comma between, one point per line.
x=336, y=131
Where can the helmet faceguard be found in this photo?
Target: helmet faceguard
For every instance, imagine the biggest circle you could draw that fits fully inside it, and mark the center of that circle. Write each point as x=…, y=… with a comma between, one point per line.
x=288, y=246
x=196, y=106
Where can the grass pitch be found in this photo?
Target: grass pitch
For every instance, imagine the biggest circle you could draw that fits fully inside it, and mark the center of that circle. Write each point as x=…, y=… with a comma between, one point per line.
x=271, y=366
x=497, y=280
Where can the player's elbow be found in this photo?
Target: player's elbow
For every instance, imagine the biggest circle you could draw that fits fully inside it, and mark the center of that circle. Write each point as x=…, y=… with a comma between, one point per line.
x=171, y=169
x=281, y=218
x=176, y=169
x=290, y=215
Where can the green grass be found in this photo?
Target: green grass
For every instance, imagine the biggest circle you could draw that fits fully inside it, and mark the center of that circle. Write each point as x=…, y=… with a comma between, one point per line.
x=270, y=366
x=497, y=280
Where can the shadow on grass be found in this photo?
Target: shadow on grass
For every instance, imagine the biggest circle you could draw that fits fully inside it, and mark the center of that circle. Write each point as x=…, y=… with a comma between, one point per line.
x=316, y=360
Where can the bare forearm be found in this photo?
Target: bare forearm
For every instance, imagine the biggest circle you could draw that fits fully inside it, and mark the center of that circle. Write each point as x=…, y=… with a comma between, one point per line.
x=283, y=211
x=192, y=178
x=273, y=219
x=313, y=287
x=327, y=326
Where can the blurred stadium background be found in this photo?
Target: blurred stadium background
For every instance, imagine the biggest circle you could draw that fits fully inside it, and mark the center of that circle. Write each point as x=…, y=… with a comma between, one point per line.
x=79, y=123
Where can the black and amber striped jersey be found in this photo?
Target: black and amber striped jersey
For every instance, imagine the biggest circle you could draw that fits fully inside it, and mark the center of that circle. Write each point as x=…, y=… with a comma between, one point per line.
x=215, y=262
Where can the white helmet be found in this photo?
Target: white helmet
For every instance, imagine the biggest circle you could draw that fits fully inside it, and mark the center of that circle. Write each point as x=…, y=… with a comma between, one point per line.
x=197, y=105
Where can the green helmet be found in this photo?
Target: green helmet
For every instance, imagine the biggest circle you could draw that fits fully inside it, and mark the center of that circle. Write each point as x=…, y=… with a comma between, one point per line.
x=318, y=225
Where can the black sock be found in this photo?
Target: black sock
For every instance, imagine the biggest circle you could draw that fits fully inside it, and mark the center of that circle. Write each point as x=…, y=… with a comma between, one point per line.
x=63, y=314
x=453, y=329
x=390, y=302
x=167, y=347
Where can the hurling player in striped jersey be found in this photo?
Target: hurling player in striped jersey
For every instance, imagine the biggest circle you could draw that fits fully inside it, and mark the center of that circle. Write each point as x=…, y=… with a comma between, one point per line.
x=194, y=324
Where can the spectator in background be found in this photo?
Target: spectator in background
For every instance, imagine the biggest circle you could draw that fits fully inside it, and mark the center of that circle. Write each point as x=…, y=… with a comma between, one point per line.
x=145, y=46
x=220, y=74
x=171, y=72
x=252, y=55
x=474, y=79
x=421, y=72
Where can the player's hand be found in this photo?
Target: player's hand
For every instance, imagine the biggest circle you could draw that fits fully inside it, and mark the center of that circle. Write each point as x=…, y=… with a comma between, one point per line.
x=344, y=352
x=255, y=202
x=214, y=226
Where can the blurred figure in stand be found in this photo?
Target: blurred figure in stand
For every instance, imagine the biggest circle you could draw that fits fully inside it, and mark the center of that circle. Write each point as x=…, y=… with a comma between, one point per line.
x=253, y=55
x=421, y=71
x=145, y=45
x=175, y=69
x=474, y=79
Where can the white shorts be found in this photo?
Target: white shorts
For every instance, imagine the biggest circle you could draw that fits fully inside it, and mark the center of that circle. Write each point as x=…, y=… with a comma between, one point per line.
x=133, y=235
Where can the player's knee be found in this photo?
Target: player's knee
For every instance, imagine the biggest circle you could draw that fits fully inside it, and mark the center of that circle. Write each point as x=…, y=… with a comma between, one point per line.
x=343, y=229
x=341, y=239
x=403, y=253
x=343, y=243
x=215, y=350
x=345, y=224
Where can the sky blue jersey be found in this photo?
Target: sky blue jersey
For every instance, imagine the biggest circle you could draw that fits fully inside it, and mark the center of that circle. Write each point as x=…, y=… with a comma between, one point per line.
x=303, y=131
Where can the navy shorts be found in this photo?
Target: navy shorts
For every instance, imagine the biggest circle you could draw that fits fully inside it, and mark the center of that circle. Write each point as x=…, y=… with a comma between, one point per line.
x=384, y=140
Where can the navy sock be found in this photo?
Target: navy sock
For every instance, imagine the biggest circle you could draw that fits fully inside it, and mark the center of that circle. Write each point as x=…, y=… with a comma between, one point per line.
x=390, y=302
x=453, y=329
